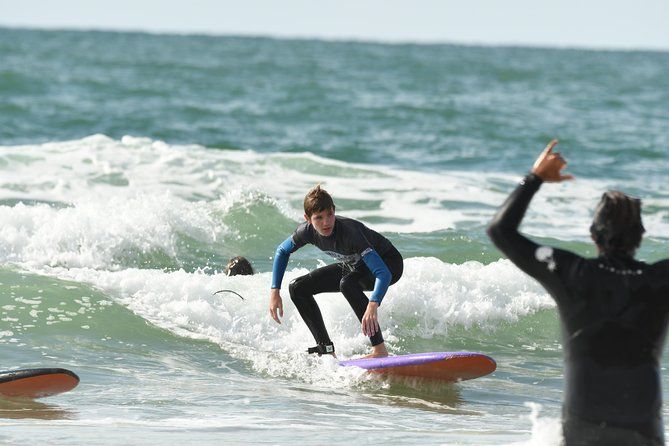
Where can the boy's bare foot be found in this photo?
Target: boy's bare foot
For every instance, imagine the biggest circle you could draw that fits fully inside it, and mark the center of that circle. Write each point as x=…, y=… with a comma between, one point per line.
x=378, y=351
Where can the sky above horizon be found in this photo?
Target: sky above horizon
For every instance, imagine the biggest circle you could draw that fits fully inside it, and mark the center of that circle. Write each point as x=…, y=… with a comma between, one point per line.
x=611, y=24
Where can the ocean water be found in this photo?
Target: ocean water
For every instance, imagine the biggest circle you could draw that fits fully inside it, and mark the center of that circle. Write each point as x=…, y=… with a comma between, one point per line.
x=133, y=166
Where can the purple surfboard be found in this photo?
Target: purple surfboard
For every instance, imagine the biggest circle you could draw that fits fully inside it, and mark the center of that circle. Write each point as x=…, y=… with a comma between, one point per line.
x=445, y=366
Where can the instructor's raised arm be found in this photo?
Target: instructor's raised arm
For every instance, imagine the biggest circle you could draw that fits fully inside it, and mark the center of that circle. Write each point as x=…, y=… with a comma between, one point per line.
x=503, y=230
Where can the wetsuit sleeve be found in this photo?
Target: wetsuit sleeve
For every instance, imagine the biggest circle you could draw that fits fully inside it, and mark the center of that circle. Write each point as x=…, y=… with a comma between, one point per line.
x=281, y=257
x=380, y=270
x=302, y=235
x=537, y=261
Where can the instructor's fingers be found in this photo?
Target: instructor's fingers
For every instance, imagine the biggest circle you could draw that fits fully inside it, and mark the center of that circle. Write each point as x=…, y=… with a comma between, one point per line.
x=549, y=147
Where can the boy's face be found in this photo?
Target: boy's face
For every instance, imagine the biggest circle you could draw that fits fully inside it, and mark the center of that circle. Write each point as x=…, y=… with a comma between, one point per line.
x=323, y=221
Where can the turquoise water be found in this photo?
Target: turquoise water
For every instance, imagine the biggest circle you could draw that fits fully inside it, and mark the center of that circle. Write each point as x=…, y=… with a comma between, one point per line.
x=134, y=165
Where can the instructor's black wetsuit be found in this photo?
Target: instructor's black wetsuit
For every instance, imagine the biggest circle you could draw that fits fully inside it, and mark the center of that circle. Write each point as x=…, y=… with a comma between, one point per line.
x=614, y=313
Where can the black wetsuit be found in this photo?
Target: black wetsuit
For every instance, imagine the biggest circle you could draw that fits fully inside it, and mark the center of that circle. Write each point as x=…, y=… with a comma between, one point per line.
x=350, y=281
x=358, y=249
x=614, y=313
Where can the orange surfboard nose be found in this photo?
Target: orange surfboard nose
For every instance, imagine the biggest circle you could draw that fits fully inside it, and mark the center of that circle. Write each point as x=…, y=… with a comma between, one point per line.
x=36, y=383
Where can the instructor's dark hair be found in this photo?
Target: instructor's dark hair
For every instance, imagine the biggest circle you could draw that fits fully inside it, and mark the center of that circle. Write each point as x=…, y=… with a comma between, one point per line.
x=238, y=266
x=617, y=225
x=317, y=200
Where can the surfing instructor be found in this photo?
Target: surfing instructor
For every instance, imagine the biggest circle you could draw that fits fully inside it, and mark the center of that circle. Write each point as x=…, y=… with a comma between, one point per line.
x=613, y=311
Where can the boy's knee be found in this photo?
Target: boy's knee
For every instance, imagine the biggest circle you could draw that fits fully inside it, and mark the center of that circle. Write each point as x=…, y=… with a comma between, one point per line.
x=348, y=284
x=299, y=287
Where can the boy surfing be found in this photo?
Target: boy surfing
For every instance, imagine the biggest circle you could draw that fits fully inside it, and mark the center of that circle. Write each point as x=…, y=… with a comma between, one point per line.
x=367, y=261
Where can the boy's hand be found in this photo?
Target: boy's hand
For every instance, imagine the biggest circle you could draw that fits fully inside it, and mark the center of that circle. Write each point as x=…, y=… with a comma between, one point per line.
x=549, y=164
x=370, y=320
x=275, y=303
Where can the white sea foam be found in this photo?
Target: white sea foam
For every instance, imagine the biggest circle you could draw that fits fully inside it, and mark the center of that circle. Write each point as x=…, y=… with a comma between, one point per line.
x=94, y=232
x=546, y=431
x=431, y=298
x=102, y=178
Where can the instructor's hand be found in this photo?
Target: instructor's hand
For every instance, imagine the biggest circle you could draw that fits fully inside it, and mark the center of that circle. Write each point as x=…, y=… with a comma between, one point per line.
x=275, y=305
x=549, y=165
x=370, y=320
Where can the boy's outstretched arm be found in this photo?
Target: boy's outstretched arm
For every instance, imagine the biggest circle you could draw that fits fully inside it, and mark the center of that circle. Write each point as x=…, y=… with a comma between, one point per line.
x=370, y=320
x=278, y=269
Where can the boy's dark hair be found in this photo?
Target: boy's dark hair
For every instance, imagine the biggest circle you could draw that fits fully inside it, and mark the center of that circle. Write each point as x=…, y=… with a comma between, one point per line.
x=317, y=200
x=617, y=225
x=238, y=266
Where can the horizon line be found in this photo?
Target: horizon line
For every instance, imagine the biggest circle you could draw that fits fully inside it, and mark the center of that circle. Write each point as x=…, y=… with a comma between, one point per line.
x=334, y=39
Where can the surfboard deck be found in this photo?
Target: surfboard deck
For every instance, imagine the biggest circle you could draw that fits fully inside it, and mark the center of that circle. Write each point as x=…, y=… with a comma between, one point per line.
x=36, y=383
x=444, y=366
